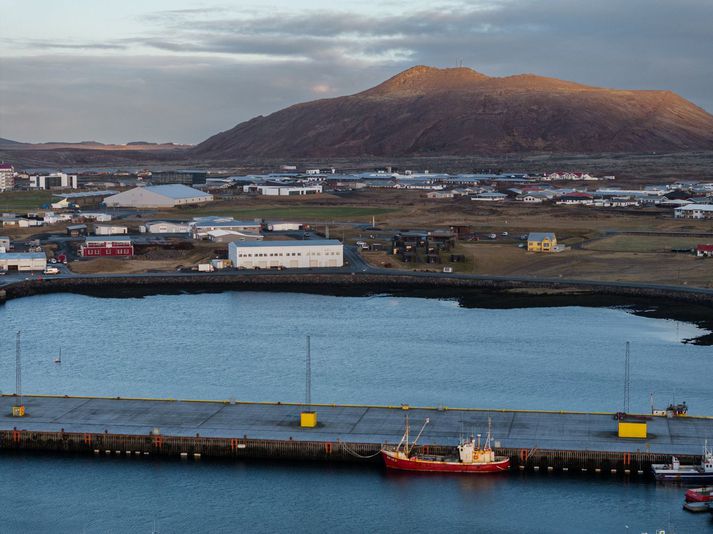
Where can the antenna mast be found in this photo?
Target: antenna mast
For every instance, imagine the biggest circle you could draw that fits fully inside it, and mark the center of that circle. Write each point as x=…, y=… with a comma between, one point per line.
x=627, y=379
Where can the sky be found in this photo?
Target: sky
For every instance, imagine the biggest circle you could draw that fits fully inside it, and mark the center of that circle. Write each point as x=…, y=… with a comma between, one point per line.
x=181, y=71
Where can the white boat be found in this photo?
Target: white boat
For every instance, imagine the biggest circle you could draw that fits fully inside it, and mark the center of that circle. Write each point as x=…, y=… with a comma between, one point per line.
x=675, y=472
x=58, y=359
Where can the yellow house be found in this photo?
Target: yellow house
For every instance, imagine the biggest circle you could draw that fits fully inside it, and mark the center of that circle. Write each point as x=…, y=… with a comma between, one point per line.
x=541, y=242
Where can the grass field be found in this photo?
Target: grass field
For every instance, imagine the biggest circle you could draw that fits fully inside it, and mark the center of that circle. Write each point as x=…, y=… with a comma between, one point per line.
x=300, y=213
x=632, y=243
x=23, y=200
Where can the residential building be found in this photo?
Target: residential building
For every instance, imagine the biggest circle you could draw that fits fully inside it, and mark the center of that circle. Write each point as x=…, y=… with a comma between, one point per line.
x=286, y=254
x=7, y=177
x=440, y=194
x=23, y=261
x=106, y=246
x=490, y=197
x=158, y=196
x=4, y=243
x=694, y=211
x=704, y=250
x=541, y=242
x=56, y=180
x=576, y=198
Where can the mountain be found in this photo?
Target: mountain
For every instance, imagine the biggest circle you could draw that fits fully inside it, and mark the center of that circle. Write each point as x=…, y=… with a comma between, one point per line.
x=8, y=142
x=428, y=111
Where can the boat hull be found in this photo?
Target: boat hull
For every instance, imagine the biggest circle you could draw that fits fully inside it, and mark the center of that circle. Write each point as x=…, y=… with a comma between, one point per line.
x=699, y=495
x=684, y=475
x=393, y=461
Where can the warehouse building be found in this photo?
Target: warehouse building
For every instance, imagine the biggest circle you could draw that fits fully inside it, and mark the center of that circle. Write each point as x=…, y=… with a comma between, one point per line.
x=190, y=178
x=84, y=199
x=201, y=227
x=95, y=247
x=165, y=227
x=228, y=236
x=286, y=254
x=110, y=229
x=158, y=196
x=282, y=190
x=23, y=261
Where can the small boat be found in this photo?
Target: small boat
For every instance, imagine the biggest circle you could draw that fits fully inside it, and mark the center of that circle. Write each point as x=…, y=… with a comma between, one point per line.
x=470, y=457
x=696, y=507
x=704, y=494
x=675, y=472
x=58, y=359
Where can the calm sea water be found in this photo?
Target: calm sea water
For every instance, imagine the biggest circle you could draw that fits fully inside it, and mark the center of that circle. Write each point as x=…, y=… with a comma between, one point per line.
x=383, y=349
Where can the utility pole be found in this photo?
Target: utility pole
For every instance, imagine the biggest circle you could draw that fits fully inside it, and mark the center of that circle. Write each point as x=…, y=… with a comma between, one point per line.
x=18, y=410
x=308, y=417
x=308, y=377
x=627, y=379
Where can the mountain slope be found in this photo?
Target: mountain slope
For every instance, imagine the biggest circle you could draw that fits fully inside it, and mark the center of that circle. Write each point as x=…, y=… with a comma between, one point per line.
x=429, y=111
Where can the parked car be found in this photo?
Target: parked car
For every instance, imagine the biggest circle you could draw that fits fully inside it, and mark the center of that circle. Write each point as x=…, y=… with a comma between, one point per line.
x=51, y=270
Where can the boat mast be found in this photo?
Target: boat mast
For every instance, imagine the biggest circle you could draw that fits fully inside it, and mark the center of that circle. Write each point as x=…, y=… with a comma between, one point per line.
x=419, y=434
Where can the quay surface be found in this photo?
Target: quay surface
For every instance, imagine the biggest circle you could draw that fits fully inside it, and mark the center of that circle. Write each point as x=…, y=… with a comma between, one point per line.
x=345, y=432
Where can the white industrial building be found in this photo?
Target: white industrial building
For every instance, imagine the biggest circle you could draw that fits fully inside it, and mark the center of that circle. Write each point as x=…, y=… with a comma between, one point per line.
x=158, y=196
x=57, y=180
x=110, y=229
x=286, y=254
x=280, y=190
x=201, y=227
x=23, y=261
x=4, y=243
x=694, y=211
x=166, y=227
x=228, y=236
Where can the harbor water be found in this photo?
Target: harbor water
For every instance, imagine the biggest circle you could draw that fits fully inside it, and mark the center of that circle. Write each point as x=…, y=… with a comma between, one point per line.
x=375, y=350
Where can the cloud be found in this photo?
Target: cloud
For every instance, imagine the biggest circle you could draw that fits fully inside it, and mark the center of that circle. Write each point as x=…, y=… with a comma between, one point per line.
x=188, y=73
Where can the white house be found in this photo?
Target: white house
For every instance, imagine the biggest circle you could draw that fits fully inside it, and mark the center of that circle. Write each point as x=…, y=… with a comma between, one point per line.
x=158, y=196
x=286, y=254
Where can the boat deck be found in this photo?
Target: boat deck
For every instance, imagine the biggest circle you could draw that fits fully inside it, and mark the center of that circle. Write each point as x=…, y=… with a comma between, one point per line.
x=354, y=424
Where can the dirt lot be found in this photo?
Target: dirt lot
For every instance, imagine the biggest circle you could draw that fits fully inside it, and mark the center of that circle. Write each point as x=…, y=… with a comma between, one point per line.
x=160, y=260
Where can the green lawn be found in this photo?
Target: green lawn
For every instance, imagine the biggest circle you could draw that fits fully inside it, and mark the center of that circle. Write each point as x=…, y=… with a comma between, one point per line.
x=300, y=213
x=629, y=243
x=24, y=200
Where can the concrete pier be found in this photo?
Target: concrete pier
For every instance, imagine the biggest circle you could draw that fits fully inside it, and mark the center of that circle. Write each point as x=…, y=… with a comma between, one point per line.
x=165, y=427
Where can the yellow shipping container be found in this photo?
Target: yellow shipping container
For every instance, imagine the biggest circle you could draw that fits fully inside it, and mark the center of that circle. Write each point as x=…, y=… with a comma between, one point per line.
x=308, y=419
x=632, y=430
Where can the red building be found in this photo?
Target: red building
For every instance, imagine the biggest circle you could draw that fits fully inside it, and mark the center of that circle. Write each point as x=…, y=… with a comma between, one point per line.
x=95, y=247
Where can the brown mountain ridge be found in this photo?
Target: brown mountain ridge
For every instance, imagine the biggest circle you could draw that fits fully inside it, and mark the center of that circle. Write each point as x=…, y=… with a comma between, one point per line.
x=428, y=111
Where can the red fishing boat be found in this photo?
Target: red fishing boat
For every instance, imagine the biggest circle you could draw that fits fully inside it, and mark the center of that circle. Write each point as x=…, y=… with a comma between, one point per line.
x=704, y=494
x=469, y=457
